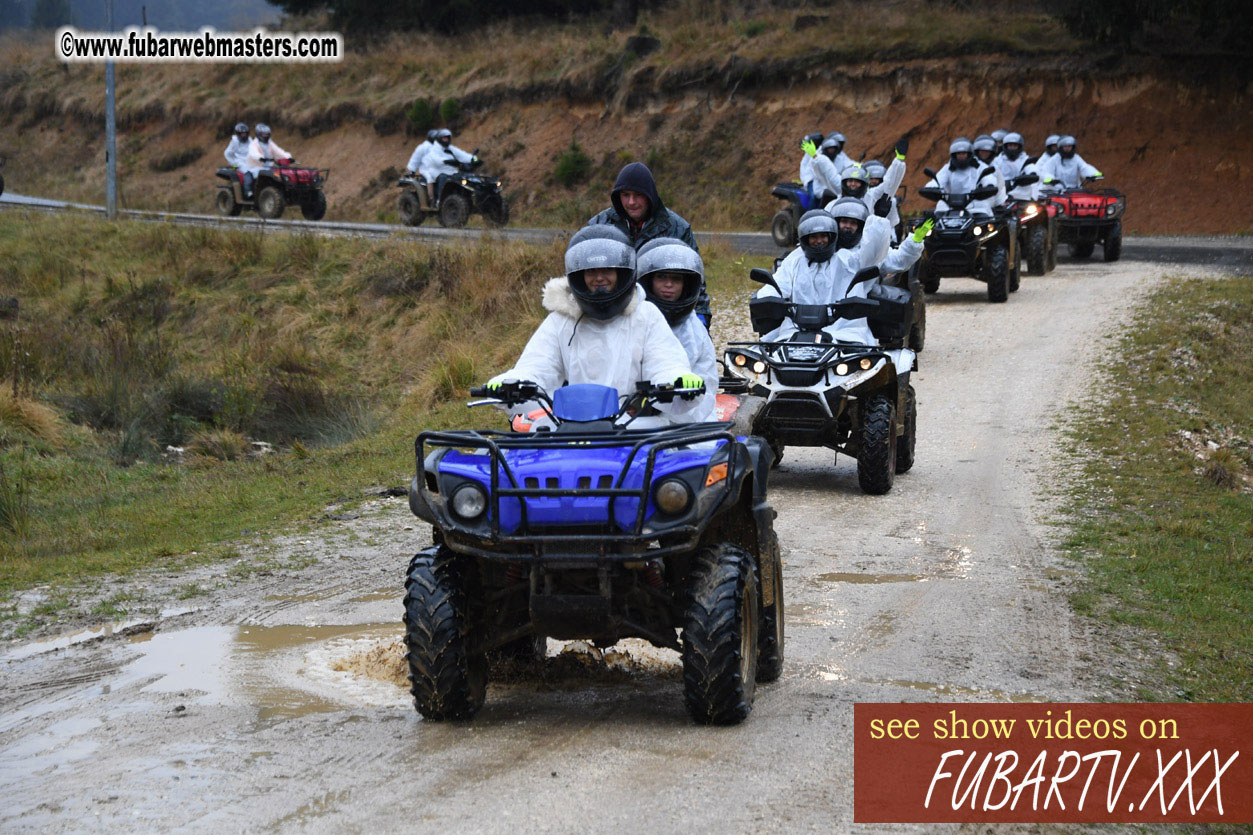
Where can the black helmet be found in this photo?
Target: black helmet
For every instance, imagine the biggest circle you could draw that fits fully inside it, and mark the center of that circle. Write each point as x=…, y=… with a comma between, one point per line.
x=854, y=181
x=599, y=247
x=814, y=137
x=849, y=208
x=671, y=255
x=959, y=145
x=241, y=129
x=813, y=222
x=1064, y=143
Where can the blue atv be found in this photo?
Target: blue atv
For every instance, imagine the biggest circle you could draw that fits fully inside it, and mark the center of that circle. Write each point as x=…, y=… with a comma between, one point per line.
x=799, y=200
x=591, y=528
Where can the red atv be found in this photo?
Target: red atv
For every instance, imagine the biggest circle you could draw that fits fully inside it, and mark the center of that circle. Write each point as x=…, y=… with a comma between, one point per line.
x=1037, y=233
x=1086, y=217
x=274, y=189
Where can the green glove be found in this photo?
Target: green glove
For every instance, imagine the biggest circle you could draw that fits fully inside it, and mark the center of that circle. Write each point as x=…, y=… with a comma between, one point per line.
x=1098, y=175
x=493, y=386
x=902, y=148
x=689, y=381
x=921, y=231
x=1047, y=179
x=809, y=148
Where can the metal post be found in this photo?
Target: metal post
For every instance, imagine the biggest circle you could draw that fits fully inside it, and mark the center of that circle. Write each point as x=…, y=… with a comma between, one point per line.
x=110, y=128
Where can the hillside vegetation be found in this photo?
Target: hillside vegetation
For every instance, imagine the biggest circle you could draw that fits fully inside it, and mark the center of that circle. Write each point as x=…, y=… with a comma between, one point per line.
x=713, y=99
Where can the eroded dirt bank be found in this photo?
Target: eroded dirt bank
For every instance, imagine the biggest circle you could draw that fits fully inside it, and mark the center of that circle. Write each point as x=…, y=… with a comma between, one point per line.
x=1176, y=137
x=274, y=703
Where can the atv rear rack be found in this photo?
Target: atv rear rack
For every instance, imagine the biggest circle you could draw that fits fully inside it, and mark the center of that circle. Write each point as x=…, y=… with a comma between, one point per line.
x=679, y=537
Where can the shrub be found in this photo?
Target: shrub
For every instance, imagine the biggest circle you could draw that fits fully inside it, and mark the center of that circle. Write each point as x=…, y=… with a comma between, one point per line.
x=17, y=414
x=223, y=444
x=450, y=111
x=573, y=166
x=421, y=115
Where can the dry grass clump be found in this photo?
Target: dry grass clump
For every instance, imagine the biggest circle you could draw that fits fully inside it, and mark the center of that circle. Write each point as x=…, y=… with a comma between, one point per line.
x=22, y=416
x=222, y=444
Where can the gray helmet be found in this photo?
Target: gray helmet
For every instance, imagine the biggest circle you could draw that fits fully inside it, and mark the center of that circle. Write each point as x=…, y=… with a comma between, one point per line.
x=1063, y=143
x=431, y=134
x=263, y=131
x=241, y=128
x=603, y=247
x=1013, y=138
x=984, y=142
x=999, y=135
x=854, y=181
x=834, y=143
x=599, y=230
x=849, y=208
x=960, y=145
x=1051, y=142
x=813, y=222
x=671, y=255
x=875, y=170
x=443, y=134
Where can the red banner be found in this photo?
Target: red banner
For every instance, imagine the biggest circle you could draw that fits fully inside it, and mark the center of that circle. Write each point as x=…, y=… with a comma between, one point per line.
x=1053, y=763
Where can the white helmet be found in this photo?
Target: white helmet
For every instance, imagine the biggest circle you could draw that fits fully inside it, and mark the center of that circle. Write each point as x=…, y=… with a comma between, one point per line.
x=1014, y=138
x=813, y=222
x=849, y=208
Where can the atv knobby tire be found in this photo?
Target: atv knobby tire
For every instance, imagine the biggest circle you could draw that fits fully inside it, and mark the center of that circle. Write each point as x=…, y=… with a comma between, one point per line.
x=1037, y=249
x=1082, y=250
x=770, y=639
x=720, y=642
x=998, y=274
x=876, y=457
x=410, y=208
x=783, y=229
x=448, y=678
x=270, y=203
x=226, y=205
x=454, y=211
x=930, y=282
x=496, y=211
x=906, y=442
x=1112, y=248
x=918, y=331
x=1051, y=264
x=315, y=207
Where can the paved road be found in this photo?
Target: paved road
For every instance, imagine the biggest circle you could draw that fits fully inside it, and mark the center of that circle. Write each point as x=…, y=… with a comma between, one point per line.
x=1233, y=253
x=274, y=704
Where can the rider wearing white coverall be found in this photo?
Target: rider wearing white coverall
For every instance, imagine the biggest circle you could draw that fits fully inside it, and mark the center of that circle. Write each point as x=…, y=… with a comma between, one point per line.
x=262, y=153
x=601, y=330
x=807, y=159
x=963, y=174
x=829, y=161
x=1013, y=163
x=855, y=181
x=437, y=166
x=1068, y=169
x=420, y=152
x=984, y=149
x=822, y=268
x=671, y=273
x=236, y=152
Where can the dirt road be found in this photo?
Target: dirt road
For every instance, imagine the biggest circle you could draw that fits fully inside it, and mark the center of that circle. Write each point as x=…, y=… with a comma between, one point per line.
x=262, y=708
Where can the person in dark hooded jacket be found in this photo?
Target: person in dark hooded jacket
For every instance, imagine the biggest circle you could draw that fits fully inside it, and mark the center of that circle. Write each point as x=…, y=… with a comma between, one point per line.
x=639, y=212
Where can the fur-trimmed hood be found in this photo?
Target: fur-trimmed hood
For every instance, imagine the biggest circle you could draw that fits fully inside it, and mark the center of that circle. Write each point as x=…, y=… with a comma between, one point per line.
x=559, y=298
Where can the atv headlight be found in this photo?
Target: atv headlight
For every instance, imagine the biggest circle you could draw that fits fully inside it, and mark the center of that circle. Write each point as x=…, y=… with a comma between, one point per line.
x=978, y=230
x=739, y=359
x=672, y=496
x=759, y=367
x=865, y=363
x=463, y=181
x=1032, y=208
x=469, y=501
x=841, y=369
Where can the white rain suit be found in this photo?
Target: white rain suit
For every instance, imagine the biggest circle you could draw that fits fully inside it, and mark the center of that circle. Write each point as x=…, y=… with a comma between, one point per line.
x=236, y=153
x=1068, y=173
x=807, y=170
x=259, y=151
x=569, y=348
x=826, y=175
x=694, y=337
x=1011, y=168
x=419, y=155
x=964, y=181
x=828, y=283
x=436, y=161
x=892, y=179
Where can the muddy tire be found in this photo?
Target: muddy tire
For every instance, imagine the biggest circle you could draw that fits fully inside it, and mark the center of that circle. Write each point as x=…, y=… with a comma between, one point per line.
x=770, y=639
x=226, y=205
x=876, y=457
x=1112, y=248
x=454, y=211
x=907, y=441
x=1037, y=246
x=720, y=640
x=448, y=680
x=783, y=229
x=998, y=274
x=496, y=211
x=918, y=330
x=270, y=203
x=410, y=209
x=776, y=447
x=315, y=207
x=524, y=651
x=1083, y=250
x=930, y=283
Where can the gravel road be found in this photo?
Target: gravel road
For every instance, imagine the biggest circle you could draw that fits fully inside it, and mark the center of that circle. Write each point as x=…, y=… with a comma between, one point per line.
x=271, y=702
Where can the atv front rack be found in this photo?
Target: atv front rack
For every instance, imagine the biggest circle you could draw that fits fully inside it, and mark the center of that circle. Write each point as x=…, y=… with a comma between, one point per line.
x=650, y=442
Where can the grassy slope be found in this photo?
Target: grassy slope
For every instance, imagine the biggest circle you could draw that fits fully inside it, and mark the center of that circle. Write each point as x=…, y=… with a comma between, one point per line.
x=1165, y=520
x=338, y=351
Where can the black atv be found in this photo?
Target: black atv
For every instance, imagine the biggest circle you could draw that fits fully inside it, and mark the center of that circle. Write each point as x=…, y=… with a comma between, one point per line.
x=812, y=391
x=464, y=194
x=783, y=225
x=282, y=184
x=594, y=529
x=962, y=244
